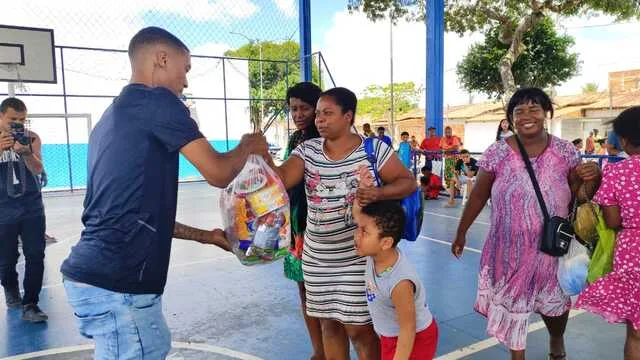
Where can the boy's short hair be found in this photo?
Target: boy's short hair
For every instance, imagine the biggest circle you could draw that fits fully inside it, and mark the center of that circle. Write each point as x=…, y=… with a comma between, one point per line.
x=424, y=180
x=389, y=218
x=464, y=151
x=426, y=168
x=381, y=128
x=404, y=133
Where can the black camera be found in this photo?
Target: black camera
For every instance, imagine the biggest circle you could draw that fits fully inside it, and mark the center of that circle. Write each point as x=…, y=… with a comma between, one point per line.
x=18, y=133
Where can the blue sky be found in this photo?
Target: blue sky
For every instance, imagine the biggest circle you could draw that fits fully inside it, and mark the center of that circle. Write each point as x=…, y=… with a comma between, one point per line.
x=268, y=23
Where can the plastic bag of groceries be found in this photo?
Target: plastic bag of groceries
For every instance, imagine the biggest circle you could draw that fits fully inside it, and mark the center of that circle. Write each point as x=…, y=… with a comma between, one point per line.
x=573, y=268
x=255, y=214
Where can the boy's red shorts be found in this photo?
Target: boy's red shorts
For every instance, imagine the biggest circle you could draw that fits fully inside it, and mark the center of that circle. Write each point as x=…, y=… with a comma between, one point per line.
x=424, y=346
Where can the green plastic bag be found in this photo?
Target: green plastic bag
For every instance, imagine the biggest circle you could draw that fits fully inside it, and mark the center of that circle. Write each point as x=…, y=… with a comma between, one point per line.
x=602, y=258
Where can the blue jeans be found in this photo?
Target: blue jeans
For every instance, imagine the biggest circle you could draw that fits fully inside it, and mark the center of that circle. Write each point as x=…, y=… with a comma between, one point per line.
x=123, y=326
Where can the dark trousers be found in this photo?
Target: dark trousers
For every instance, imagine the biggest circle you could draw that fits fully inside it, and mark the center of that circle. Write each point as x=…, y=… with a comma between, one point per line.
x=31, y=231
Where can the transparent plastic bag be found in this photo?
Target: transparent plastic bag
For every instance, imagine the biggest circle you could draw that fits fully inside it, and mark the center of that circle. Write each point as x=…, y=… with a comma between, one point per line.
x=573, y=268
x=255, y=214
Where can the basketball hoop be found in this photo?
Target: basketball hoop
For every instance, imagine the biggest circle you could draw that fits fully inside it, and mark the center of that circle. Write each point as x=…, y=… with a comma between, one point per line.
x=18, y=85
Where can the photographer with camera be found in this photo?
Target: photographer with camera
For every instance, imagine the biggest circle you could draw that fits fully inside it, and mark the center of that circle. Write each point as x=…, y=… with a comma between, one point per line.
x=21, y=209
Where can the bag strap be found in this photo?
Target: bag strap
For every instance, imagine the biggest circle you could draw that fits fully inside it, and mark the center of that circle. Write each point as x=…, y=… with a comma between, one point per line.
x=371, y=156
x=534, y=181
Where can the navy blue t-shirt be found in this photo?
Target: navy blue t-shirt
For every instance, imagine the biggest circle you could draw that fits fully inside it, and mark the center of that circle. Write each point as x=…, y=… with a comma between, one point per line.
x=132, y=189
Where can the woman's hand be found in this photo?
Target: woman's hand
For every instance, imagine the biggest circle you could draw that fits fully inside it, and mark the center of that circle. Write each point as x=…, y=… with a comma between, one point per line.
x=457, y=247
x=367, y=195
x=588, y=171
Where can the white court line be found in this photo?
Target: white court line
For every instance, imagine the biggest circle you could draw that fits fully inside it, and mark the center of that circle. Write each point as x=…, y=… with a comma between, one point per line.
x=75, y=237
x=491, y=342
x=176, y=345
x=454, y=217
x=466, y=248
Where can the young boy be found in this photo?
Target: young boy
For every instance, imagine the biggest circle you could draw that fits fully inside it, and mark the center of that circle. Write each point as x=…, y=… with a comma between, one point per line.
x=395, y=295
x=430, y=183
x=404, y=149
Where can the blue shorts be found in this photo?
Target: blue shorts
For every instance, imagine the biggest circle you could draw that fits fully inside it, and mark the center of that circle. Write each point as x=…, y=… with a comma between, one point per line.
x=123, y=326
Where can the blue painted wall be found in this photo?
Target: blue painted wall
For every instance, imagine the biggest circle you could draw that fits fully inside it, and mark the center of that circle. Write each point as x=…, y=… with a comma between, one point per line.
x=56, y=162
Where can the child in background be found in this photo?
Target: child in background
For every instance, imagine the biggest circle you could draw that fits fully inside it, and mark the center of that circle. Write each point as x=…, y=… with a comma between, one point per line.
x=430, y=183
x=616, y=296
x=404, y=149
x=395, y=295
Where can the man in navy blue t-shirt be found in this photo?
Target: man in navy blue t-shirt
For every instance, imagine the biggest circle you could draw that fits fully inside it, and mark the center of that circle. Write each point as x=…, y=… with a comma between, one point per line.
x=115, y=275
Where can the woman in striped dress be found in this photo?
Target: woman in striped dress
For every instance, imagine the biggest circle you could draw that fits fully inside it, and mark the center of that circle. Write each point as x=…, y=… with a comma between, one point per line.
x=333, y=273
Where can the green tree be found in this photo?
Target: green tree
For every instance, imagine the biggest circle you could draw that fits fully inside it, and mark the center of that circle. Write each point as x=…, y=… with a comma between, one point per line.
x=376, y=101
x=545, y=62
x=513, y=18
x=590, y=88
x=270, y=91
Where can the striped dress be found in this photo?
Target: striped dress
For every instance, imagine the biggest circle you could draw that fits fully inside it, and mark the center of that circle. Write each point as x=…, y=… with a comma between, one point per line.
x=333, y=273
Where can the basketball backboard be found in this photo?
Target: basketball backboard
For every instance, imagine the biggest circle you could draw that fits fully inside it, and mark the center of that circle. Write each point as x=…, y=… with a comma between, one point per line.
x=27, y=55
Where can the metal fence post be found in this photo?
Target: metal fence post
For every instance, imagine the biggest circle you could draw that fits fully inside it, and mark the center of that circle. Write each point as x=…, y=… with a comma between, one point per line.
x=224, y=91
x=66, y=118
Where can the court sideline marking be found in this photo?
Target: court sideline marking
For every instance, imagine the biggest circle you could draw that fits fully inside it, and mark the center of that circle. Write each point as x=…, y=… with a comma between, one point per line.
x=466, y=248
x=491, y=342
x=175, y=344
x=454, y=217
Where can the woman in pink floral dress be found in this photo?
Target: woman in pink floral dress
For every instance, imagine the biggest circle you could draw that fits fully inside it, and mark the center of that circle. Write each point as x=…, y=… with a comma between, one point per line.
x=616, y=296
x=515, y=278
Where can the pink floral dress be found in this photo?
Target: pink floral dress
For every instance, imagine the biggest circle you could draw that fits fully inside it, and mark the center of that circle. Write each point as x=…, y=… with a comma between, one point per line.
x=515, y=278
x=616, y=296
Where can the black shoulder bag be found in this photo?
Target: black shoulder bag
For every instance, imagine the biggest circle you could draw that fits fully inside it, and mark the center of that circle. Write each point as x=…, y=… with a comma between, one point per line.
x=557, y=232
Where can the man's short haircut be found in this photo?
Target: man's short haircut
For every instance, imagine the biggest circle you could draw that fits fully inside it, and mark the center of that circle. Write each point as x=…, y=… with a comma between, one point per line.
x=404, y=133
x=13, y=103
x=464, y=152
x=381, y=128
x=153, y=35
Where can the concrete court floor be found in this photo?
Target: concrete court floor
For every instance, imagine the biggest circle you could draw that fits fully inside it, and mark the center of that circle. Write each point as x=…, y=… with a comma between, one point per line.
x=217, y=308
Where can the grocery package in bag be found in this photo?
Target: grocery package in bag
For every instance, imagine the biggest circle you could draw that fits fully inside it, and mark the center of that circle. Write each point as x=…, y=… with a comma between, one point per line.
x=255, y=214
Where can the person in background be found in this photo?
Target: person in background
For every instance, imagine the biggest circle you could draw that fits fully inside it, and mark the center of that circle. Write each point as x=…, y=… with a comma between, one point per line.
x=505, y=130
x=430, y=183
x=616, y=296
x=21, y=210
x=450, y=144
x=577, y=143
x=395, y=295
x=466, y=170
x=302, y=99
x=404, y=149
x=366, y=130
x=590, y=148
x=601, y=147
x=614, y=148
x=414, y=143
x=431, y=145
x=384, y=138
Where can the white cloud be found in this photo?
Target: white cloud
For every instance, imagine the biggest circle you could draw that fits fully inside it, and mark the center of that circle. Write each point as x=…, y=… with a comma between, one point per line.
x=358, y=52
x=288, y=7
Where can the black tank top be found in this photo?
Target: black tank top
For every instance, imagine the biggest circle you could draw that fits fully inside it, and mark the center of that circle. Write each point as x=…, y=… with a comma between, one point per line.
x=20, y=195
